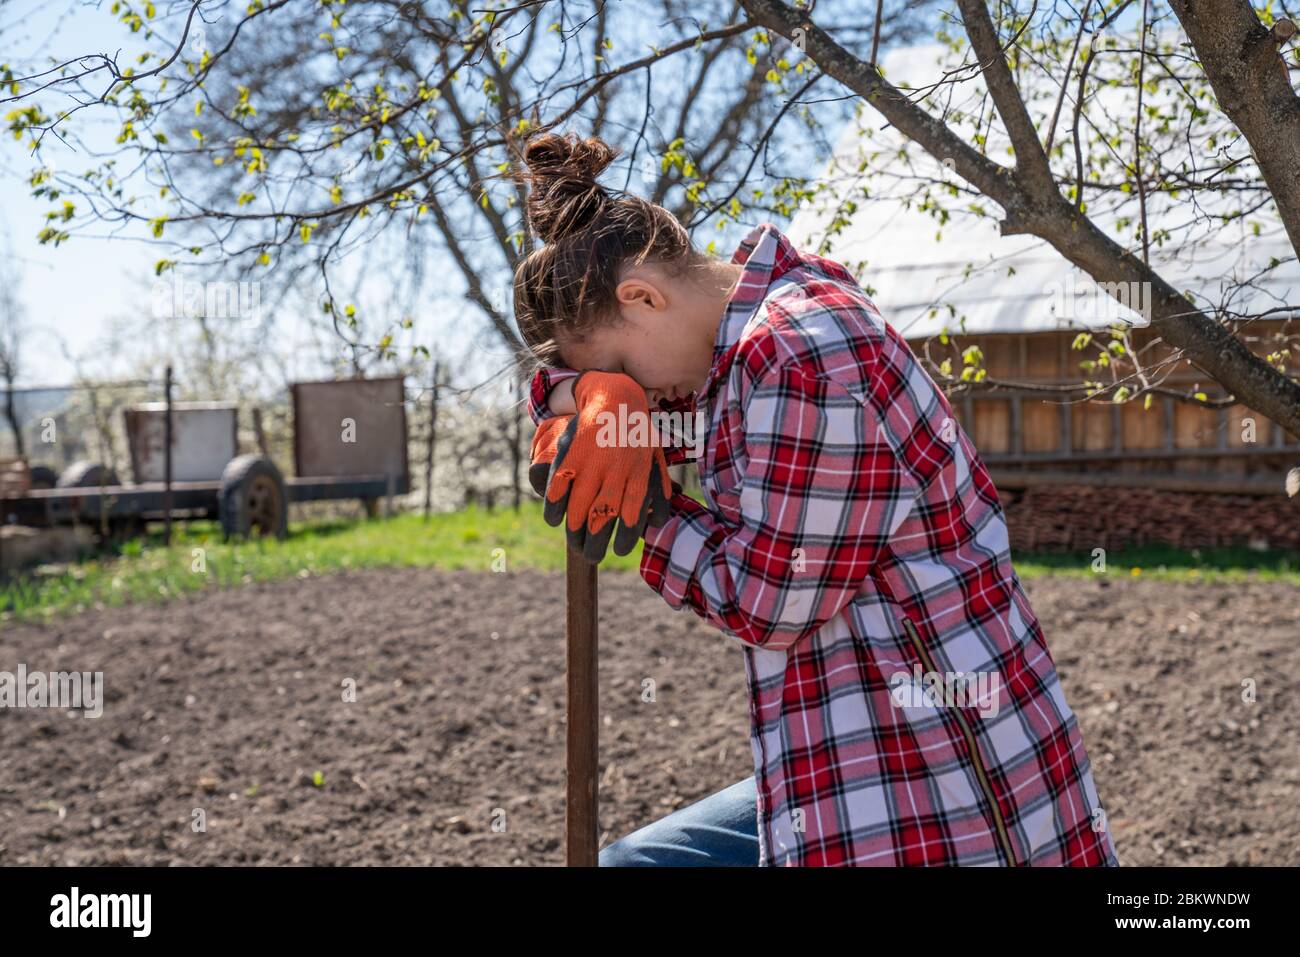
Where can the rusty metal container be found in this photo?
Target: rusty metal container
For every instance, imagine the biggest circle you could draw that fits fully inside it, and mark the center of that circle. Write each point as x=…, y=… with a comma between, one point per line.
x=350, y=427
x=15, y=477
x=204, y=439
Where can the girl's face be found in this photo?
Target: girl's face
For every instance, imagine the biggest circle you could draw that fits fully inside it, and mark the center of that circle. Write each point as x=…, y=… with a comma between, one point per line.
x=666, y=334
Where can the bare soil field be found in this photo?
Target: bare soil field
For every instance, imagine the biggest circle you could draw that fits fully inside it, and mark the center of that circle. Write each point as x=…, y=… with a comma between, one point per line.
x=223, y=707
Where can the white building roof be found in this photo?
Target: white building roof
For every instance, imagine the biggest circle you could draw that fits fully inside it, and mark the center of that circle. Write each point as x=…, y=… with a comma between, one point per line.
x=1020, y=284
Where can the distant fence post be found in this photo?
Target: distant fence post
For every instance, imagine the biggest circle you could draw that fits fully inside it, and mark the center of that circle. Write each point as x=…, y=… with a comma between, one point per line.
x=167, y=460
x=516, y=438
x=260, y=432
x=433, y=435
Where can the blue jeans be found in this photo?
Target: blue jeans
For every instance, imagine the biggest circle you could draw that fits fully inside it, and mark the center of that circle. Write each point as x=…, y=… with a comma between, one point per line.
x=719, y=831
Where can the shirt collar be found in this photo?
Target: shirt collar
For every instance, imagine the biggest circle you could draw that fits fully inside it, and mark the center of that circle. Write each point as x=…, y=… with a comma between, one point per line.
x=766, y=255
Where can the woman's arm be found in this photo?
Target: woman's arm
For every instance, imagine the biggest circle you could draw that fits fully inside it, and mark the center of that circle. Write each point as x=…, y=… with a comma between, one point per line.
x=560, y=400
x=822, y=493
x=551, y=393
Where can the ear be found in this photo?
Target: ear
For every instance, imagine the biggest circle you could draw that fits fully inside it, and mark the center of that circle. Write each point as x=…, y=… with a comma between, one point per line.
x=640, y=291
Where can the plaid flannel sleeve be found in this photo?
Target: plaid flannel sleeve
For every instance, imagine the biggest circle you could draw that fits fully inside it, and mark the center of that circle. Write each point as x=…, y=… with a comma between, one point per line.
x=539, y=390
x=822, y=492
x=676, y=446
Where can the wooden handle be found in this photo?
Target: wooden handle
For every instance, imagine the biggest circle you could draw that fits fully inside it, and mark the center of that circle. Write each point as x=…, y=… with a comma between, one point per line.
x=581, y=833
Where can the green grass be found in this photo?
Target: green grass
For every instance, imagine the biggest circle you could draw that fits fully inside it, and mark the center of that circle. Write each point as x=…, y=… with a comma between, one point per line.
x=145, y=571
x=1166, y=563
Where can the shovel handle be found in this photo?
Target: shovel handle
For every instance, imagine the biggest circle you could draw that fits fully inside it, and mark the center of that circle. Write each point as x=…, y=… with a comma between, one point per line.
x=583, y=713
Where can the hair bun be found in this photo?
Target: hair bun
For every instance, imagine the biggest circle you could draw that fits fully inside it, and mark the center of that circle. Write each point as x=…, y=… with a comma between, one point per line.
x=563, y=195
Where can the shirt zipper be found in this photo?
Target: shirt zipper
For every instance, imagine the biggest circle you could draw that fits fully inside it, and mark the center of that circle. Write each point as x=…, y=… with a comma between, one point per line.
x=1001, y=826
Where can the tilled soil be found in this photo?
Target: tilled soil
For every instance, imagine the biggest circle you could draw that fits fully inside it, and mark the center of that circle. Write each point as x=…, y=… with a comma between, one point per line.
x=222, y=708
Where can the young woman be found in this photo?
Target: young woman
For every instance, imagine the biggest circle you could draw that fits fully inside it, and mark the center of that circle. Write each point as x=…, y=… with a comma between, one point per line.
x=853, y=545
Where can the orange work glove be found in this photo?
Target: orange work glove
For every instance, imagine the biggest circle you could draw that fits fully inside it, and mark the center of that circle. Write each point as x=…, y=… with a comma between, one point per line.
x=599, y=486
x=654, y=513
x=544, y=440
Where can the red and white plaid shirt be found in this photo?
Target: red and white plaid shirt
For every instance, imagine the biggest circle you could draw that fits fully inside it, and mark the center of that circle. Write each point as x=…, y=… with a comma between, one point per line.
x=853, y=545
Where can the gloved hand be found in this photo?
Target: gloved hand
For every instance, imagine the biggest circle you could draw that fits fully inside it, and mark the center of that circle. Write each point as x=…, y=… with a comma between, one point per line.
x=544, y=440
x=599, y=486
x=654, y=511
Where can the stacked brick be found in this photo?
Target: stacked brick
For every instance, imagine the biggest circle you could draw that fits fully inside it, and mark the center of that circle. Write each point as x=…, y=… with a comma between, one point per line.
x=1079, y=518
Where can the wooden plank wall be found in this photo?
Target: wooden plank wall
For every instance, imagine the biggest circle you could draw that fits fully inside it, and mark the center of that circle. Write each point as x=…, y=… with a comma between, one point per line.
x=1012, y=429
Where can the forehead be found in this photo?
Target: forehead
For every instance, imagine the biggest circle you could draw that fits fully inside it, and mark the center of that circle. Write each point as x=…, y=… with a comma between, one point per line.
x=598, y=348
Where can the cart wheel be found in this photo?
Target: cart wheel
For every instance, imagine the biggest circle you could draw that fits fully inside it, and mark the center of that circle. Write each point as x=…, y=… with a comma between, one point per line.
x=44, y=477
x=86, y=474
x=125, y=528
x=253, y=497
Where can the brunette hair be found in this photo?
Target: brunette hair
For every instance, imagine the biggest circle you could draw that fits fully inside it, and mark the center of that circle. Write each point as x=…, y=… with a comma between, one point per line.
x=565, y=288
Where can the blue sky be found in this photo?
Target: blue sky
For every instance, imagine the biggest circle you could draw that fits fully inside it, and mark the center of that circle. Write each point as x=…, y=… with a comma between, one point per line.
x=71, y=293
x=68, y=290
